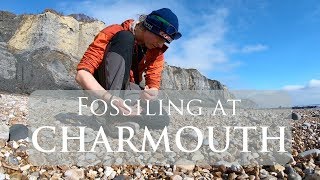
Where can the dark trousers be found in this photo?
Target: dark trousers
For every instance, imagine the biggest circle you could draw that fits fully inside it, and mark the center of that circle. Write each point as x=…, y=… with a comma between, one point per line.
x=114, y=74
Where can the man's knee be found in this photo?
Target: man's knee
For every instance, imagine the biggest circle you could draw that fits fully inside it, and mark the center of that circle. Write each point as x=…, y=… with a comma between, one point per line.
x=124, y=36
x=122, y=43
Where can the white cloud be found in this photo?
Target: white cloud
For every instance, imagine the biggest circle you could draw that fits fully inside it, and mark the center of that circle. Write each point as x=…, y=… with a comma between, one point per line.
x=314, y=83
x=254, y=48
x=292, y=87
x=202, y=49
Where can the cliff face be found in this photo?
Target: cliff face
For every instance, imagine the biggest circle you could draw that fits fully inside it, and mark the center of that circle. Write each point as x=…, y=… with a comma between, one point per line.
x=60, y=33
x=42, y=51
x=183, y=79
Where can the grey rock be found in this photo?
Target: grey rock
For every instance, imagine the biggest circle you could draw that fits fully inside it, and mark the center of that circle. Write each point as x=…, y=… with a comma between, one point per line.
x=295, y=116
x=236, y=168
x=255, y=155
x=31, y=177
x=13, y=160
x=283, y=158
x=112, y=175
x=308, y=171
x=89, y=136
x=306, y=125
x=36, y=174
x=137, y=172
x=263, y=173
x=90, y=157
x=108, y=171
x=3, y=117
x=206, y=142
x=192, y=135
x=254, y=119
x=294, y=176
x=310, y=152
x=185, y=164
x=4, y=134
x=314, y=176
x=169, y=173
x=18, y=131
x=289, y=169
x=177, y=177
x=120, y=177
x=74, y=174
x=118, y=161
x=35, y=157
x=197, y=156
x=244, y=158
x=271, y=177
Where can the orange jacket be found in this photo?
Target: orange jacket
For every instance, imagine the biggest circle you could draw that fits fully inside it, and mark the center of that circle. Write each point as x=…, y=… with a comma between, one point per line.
x=152, y=63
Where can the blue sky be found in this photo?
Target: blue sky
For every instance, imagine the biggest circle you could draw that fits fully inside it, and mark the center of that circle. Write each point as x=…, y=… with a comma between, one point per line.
x=244, y=44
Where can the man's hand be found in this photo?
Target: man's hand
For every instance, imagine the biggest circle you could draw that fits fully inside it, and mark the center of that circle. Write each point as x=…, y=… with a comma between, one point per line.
x=119, y=103
x=149, y=93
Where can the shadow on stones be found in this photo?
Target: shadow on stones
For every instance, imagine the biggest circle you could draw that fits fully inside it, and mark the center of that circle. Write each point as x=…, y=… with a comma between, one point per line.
x=73, y=119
